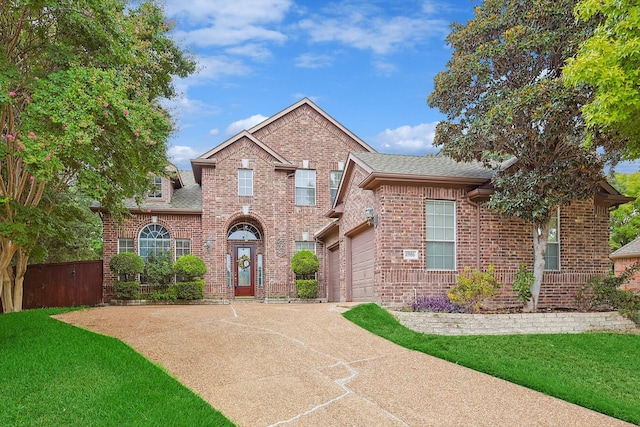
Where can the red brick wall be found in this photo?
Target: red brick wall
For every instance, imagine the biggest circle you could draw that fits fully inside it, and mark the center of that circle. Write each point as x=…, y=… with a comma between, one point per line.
x=179, y=227
x=483, y=238
x=620, y=265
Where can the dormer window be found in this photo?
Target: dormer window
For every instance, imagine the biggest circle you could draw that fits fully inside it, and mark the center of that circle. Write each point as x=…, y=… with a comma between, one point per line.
x=156, y=188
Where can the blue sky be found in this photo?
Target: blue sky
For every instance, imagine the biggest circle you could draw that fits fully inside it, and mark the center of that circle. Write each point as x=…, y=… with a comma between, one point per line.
x=369, y=64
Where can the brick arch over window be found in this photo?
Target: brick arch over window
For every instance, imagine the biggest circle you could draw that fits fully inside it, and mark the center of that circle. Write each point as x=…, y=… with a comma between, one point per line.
x=153, y=239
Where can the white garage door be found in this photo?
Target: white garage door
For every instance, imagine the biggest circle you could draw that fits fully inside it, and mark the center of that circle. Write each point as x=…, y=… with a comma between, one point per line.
x=362, y=266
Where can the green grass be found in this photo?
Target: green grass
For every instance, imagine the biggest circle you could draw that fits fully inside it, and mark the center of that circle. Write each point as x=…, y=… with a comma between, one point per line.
x=54, y=374
x=600, y=371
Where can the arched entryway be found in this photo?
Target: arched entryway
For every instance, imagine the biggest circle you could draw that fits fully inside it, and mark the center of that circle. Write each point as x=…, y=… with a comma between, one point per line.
x=244, y=256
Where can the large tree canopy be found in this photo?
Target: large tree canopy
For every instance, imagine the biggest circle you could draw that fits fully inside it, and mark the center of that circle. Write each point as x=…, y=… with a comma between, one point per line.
x=504, y=97
x=80, y=90
x=609, y=61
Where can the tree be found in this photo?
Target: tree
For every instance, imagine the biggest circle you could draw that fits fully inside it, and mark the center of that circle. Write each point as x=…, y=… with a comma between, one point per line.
x=504, y=97
x=625, y=220
x=609, y=62
x=80, y=91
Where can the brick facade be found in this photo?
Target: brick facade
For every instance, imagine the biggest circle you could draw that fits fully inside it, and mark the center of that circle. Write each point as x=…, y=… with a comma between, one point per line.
x=482, y=238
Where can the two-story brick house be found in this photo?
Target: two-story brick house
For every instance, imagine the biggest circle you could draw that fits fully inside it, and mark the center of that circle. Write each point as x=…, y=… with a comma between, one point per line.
x=385, y=227
x=247, y=205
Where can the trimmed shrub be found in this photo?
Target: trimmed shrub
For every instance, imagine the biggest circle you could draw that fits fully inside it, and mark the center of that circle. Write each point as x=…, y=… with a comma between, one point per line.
x=190, y=290
x=522, y=284
x=307, y=288
x=171, y=294
x=189, y=266
x=159, y=269
x=126, y=265
x=435, y=303
x=305, y=263
x=472, y=287
x=605, y=293
x=126, y=290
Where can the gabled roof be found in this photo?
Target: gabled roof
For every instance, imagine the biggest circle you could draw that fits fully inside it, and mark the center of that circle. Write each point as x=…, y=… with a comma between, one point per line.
x=208, y=158
x=186, y=199
x=320, y=111
x=630, y=250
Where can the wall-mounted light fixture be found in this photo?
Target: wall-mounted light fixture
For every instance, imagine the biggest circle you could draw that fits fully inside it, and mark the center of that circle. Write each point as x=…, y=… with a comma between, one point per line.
x=207, y=244
x=369, y=215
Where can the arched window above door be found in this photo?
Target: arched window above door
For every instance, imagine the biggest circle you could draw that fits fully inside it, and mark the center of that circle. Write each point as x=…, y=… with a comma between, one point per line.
x=243, y=231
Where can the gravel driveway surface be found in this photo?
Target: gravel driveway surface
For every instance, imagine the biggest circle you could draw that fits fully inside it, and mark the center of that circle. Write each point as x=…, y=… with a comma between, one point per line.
x=305, y=365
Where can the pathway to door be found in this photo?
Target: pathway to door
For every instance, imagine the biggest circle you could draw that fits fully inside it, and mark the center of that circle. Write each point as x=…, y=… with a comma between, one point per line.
x=305, y=365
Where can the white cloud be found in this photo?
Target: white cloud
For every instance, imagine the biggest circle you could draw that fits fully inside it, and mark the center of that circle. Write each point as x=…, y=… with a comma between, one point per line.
x=183, y=108
x=214, y=67
x=309, y=60
x=181, y=154
x=214, y=132
x=244, y=124
x=298, y=96
x=228, y=22
x=407, y=139
x=253, y=50
x=364, y=28
x=385, y=68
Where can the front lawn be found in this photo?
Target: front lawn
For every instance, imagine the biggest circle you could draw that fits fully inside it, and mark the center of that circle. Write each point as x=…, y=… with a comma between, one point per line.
x=600, y=371
x=54, y=374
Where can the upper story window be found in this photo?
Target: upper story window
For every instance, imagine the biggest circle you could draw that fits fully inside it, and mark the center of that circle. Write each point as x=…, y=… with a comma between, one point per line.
x=441, y=235
x=306, y=187
x=552, y=254
x=335, y=178
x=245, y=182
x=156, y=188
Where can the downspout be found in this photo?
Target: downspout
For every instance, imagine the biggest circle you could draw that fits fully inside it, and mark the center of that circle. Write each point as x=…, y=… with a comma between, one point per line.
x=477, y=206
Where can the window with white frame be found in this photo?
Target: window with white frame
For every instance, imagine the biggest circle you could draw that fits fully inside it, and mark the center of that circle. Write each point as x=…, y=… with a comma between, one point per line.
x=441, y=234
x=552, y=254
x=154, y=239
x=304, y=245
x=245, y=182
x=183, y=247
x=334, y=183
x=156, y=191
x=125, y=245
x=306, y=187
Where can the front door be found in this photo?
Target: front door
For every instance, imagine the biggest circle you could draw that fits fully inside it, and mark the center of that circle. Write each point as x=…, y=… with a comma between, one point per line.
x=244, y=270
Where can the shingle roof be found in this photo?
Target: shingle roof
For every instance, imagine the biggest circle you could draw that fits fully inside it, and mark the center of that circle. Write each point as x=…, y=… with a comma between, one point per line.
x=423, y=165
x=186, y=198
x=630, y=250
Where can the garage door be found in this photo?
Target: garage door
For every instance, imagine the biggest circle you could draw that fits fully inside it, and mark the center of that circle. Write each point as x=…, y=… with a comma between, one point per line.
x=334, y=274
x=362, y=266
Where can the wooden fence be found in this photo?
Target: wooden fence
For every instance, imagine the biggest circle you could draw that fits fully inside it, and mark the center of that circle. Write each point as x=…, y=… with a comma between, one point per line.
x=65, y=284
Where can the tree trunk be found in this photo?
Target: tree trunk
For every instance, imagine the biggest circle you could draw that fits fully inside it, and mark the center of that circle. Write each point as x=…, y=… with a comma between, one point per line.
x=18, y=280
x=540, y=238
x=7, y=295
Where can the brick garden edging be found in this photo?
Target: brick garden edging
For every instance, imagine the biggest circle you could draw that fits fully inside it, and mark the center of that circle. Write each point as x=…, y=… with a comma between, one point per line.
x=516, y=323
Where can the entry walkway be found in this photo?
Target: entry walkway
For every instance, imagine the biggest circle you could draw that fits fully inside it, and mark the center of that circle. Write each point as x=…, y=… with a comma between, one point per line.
x=305, y=365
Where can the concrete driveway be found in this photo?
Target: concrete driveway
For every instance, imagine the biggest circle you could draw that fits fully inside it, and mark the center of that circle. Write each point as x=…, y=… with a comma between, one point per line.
x=305, y=365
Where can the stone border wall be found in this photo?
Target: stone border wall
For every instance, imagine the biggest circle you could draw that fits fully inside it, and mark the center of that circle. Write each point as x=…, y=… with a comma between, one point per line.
x=517, y=323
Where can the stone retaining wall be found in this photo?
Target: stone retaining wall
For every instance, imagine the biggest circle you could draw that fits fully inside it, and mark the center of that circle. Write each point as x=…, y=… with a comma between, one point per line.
x=517, y=323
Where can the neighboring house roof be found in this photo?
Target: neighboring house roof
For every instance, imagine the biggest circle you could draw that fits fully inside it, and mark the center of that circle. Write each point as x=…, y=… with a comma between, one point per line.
x=630, y=250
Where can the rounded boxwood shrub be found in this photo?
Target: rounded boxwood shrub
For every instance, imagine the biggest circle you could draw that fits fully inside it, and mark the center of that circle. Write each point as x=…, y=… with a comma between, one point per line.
x=190, y=290
x=189, y=266
x=307, y=288
x=126, y=290
x=126, y=265
x=305, y=263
